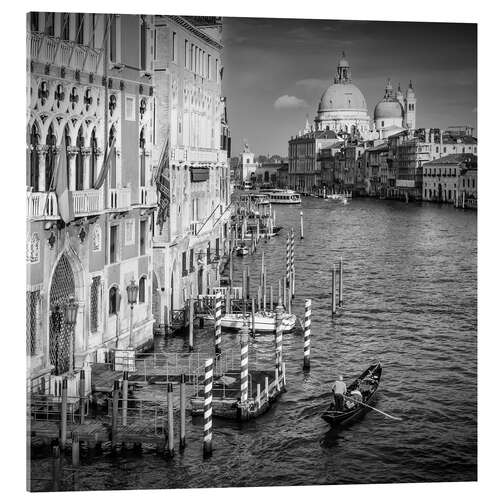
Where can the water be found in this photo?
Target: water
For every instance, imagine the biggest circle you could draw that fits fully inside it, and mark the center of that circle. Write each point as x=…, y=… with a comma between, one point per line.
x=410, y=293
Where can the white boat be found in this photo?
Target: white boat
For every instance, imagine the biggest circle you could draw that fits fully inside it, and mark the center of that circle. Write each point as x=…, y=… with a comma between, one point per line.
x=282, y=196
x=241, y=250
x=264, y=321
x=338, y=198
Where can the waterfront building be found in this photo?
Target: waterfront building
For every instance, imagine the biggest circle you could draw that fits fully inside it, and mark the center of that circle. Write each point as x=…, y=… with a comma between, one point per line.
x=266, y=173
x=283, y=179
x=246, y=168
x=342, y=107
x=377, y=177
x=303, y=159
x=450, y=179
x=89, y=193
x=191, y=148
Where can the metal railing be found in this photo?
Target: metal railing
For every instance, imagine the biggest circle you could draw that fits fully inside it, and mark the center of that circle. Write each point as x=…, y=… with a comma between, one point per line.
x=48, y=408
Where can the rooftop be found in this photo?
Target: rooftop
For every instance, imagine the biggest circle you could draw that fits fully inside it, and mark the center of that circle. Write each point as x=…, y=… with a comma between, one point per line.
x=454, y=159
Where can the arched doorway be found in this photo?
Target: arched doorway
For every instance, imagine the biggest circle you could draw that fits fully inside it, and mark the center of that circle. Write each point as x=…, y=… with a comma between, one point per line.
x=60, y=336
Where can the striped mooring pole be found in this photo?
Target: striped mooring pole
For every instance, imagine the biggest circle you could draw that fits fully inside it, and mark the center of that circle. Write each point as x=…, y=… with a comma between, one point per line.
x=207, y=409
x=307, y=335
x=288, y=259
x=244, y=363
x=301, y=225
x=279, y=339
x=218, y=320
x=292, y=263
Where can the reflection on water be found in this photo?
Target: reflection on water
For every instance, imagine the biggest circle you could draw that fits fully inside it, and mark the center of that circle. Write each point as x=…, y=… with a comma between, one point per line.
x=410, y=301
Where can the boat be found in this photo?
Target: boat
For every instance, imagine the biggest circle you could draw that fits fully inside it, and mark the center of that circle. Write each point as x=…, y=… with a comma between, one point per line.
x=367, y=384
x=257, y=198
x=241, y=249
x=338, y=198
x=265, y=321
x=282, y=196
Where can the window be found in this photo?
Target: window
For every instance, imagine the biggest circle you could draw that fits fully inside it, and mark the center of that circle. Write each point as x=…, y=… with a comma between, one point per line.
x=473, y=184
x=142, y=290
x=113, y=300
x=32, y=322
x=95, y=299
x=174, y=46
x=209, y=67
x=112, y=39
x=184, y=268
x=65, y=26
x=79, y=27
x=143, y=241
x=191, y=58
x=208, y=253
x=155, y=34
x=144, y=43
x=34, y=160
x=217, y=248
x=186, y=54
x=382, y=123
x=49, y=23
x=191, y=260
x=130, y=232
x=216, y=70
x=80, y=143
x=35, y=21
x=444, y=150
x=113, y=244
x=437, y=149
x=130, y=108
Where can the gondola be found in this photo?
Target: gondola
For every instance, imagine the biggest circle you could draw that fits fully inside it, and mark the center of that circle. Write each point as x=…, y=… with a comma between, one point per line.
x=367, y=384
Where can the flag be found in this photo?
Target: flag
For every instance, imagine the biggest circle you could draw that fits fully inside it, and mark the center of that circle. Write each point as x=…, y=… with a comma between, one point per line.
x=64, y=195
x=105, y=166
x=163, y=185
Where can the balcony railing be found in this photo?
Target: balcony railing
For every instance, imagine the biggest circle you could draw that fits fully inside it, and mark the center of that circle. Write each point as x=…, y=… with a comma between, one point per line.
x=52, y=50
x=88, y=202
x=119, y=198
x=148, y=196
x=41, y=205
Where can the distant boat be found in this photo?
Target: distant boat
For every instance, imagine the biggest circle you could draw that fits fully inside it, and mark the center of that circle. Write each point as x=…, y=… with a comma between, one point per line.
x=264, y=321
x=241, y=249
x=338, y=198
x=282, y=196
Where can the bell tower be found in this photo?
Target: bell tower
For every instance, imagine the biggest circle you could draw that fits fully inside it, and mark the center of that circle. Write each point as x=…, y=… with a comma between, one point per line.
x=410, y=108
x=343, y=74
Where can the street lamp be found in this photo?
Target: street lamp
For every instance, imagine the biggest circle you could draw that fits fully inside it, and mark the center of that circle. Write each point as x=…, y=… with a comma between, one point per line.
x=70, y=313
x=132, y=290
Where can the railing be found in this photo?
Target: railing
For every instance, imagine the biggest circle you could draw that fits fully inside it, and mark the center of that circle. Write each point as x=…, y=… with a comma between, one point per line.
x=53, y=50
x=148, y=195
x=48, y=408
x=87, y=201
x=41, y=205
x=119, y=198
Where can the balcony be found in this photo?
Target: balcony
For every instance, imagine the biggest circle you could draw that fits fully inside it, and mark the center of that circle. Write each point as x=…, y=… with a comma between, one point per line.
x=147, y=196
x=119, y=199
x=41, y=205
x=52, y=50
x=87, y=202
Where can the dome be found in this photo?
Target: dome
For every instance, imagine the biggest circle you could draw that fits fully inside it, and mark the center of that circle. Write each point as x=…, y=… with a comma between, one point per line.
x=388, y=109
x=342, y=96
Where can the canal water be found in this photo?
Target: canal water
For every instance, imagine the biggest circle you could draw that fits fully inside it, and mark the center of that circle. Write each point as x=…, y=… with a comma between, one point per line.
x=410, y=301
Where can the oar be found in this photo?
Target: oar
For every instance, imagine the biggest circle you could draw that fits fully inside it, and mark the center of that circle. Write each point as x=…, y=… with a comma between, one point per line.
x=372, y=408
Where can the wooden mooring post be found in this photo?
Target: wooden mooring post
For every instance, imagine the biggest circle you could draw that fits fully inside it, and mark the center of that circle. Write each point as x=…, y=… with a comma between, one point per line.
x=301, y=225
x=64, y=413
x=124, y=397
x=248, y=283
x=114, y=415
x=307, y=335
x=253, y=317
x=170, y=420
x=207, y=408
x=75, y=449
x=81, y=391
x=341, y=298
x=56, y=468
x=182, y=439
x=334, y=299
x=191, y=323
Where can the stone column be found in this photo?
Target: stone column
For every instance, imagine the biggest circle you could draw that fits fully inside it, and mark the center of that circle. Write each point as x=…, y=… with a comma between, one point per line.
x=86, y=169
x=41, y=152
x=72, y=170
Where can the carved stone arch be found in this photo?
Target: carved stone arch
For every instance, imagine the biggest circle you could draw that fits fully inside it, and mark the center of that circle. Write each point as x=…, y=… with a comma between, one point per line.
x=90, y=125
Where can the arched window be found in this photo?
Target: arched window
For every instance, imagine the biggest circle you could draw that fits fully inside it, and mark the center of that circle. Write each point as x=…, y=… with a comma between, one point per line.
x=34, y=161
x=50, y=158
x=68, y=145
x=80, y=143
x=112, y=170
x=142, y=290
x=114, y=300
x=142, y=157
x=79, y=27
x=49, y=23
x=93, y=158
x=65, y=26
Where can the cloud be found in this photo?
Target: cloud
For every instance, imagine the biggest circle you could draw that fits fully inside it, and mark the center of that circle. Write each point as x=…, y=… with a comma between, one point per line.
x=289, y=102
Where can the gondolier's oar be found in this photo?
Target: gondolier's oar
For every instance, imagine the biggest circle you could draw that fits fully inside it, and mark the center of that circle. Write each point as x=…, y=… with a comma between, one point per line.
x=372, y=408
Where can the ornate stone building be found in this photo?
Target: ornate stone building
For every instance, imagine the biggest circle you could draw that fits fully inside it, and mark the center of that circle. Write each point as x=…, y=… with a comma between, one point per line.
x=89, y=194
x=191, y=147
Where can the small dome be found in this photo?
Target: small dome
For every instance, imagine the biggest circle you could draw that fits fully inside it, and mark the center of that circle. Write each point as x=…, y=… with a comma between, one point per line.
x=342, y=96
x=388, y=109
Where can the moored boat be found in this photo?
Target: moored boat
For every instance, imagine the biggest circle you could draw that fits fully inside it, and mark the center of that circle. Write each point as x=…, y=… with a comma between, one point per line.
x=366, y=385
x=264, y=321
x=241, y=250
x=282, y=196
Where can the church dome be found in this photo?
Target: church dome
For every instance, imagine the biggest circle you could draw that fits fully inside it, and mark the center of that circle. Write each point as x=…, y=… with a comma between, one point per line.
x=388, y=108
x=340, y=97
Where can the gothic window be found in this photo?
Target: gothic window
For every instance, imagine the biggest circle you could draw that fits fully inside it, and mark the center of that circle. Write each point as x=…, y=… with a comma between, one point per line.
x=80, y=143
x=93, y=158
x=34, y=163
x=142, y=290
x=65, y=26
x=144, y=39
x=80, y=27
x=32, y=322
x=112, y=170
x=96, y=238
x=33, y=249
x=50, y=158
x=49, y=23
x=130, y=232
x=95, y=299
x=35, y=21
x=113, y=300
x=142, y=157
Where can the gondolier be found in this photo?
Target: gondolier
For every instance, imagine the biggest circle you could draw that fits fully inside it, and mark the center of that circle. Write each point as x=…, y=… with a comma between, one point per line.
x=339, y=390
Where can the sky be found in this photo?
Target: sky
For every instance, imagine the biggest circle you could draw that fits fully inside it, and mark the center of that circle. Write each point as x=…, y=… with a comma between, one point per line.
x=275, y=71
